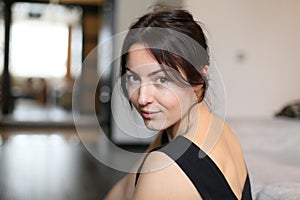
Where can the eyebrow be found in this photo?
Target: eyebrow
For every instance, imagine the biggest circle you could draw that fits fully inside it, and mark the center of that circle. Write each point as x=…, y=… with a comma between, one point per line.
x=150, y=74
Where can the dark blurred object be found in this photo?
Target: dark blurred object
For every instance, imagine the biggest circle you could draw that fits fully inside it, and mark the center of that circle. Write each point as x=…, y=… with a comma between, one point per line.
x=291, y=110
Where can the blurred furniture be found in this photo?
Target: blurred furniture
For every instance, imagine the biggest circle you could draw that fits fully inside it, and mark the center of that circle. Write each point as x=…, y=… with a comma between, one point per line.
x=272, y=154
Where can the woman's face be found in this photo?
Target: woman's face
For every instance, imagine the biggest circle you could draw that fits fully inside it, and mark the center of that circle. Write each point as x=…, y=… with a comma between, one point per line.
x=160, y=101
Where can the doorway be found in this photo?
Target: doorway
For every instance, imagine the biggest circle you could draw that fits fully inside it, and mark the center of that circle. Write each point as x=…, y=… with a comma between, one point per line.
x=48, y=44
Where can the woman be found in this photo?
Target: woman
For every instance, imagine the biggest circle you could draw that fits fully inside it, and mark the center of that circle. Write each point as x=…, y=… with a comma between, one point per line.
x=164, y=68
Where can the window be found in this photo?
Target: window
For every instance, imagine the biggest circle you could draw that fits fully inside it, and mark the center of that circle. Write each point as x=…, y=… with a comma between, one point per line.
x=39, y=40
x=39, y=48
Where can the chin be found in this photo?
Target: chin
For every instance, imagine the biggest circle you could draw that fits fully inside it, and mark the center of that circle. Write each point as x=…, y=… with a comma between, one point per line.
x=155, y=125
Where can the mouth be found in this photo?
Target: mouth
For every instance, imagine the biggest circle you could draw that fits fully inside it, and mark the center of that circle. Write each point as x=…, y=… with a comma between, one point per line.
x=149, y=114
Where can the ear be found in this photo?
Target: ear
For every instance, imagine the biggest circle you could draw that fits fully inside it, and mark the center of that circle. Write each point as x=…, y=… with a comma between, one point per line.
x=205, y=70
x=198, y=91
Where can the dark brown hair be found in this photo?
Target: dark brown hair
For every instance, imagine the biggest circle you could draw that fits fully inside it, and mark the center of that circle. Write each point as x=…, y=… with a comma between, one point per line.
x=175, y=40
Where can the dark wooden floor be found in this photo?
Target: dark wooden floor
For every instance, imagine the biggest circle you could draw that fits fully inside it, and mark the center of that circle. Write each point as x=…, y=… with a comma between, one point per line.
x=44, y=164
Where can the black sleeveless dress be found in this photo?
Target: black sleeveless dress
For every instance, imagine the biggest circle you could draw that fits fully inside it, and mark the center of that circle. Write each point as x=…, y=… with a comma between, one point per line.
x=201, y=170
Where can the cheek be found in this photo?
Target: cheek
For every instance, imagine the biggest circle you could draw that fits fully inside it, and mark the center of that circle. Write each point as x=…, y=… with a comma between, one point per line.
x=173, y=103
x=184, y=96
x=180, y=102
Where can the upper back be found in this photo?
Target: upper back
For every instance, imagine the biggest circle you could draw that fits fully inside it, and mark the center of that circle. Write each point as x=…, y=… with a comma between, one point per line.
x=195, y=174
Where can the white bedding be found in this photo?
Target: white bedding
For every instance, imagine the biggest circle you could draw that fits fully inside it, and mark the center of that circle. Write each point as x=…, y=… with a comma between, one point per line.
x=272, y=153
x=280, y=191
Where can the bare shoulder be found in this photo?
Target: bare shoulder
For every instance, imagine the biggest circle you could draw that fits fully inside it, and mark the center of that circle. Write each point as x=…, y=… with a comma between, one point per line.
x=160, y=179
x=228, y=156
x=233, y=142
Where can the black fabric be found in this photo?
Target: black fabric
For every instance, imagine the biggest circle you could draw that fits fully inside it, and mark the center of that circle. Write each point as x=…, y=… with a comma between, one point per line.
x=164, y=138
x=203, y=172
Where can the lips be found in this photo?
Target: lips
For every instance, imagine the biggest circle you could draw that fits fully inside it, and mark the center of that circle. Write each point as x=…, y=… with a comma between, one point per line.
x=149, y=114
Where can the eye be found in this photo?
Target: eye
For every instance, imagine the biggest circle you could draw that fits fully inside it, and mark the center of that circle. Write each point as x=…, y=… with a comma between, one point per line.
x=161, y=80
x=132, y=78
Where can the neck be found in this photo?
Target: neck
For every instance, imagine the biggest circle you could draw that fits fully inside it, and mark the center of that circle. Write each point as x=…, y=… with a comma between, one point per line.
x=193, y=124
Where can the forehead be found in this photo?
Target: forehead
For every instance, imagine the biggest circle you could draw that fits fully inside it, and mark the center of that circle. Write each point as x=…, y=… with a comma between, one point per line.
x=139, y=56
x=140, y=60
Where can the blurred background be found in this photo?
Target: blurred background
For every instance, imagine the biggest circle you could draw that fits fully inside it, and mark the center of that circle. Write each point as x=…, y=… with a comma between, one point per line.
x=48, y=46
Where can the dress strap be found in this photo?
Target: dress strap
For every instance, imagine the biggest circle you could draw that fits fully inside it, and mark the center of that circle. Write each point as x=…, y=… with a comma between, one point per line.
x=164, y=138
x=200, y=169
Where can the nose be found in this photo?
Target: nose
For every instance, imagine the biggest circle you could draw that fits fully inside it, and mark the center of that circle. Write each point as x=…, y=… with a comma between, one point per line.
x=145, y=94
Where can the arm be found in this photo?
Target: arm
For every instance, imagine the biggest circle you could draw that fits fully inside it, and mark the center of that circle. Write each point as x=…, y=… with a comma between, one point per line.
x=119, y=190
x=124, y=189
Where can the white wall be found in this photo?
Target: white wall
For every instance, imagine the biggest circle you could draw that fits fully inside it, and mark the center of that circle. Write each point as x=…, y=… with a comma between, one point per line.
x=266, y=33
x=127, y=11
